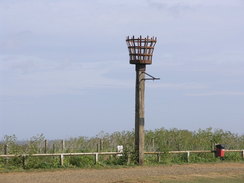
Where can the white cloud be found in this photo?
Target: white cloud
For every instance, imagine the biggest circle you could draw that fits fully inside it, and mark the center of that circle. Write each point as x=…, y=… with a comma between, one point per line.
x=34, y=76
x=30, y=76
x=36, y=28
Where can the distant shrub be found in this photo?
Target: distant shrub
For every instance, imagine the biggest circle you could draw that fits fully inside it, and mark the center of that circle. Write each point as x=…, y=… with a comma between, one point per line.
x=233, y=156
x=80, y=161
x=158, y=140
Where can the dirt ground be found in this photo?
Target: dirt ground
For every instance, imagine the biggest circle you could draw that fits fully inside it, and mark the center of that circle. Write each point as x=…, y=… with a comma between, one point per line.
x=146, y=174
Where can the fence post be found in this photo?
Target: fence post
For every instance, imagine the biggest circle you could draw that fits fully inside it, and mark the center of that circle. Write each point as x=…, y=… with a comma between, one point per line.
x=53, y=148
x=6, y=149
x=45, y=146
x=158, y=157
x=242, y=153
x=61, y=159
x=213, y=151
x=6, y=152
x=101, y=145
x=63, y=145
x=188, y=156
x=24, y=161
x=128, y=158
x=96, y=158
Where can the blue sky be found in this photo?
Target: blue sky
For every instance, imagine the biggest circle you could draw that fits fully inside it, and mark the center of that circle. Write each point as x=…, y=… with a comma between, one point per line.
x=65, y=72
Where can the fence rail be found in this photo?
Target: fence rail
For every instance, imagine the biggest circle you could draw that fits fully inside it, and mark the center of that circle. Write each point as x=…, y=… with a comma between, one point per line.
x=97, y=154
x=193, y=151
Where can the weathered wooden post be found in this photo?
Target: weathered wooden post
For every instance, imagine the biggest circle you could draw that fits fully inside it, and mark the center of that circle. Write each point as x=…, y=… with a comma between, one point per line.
x=54, y=148
x=61, y=157
x=101, y=145
x=96, y=158
x=45, y=146
x=158, y=157
x=6, y=152
x=24, y=158
x=140, y=52
x=188, y=156
x=153, y=144
x=5, y=149
x=63, y=145
x=128, y=158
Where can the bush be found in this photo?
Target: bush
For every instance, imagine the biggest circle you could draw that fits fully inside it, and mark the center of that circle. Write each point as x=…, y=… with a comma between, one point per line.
x=80, y=161
x=233, y=156
x=42, y=162
x=202, y=157
x=159, y=140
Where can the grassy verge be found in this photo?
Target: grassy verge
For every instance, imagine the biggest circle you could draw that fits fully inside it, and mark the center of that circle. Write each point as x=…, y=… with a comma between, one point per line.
x=212, y=178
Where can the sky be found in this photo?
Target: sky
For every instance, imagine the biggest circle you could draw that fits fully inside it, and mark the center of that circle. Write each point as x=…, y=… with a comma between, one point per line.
x=65, y=72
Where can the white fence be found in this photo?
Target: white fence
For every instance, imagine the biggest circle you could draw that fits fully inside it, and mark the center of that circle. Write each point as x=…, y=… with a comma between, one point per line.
x=97, y=154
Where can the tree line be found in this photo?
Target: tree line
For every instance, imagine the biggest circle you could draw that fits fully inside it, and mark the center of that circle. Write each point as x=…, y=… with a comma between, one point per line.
x=161, y=140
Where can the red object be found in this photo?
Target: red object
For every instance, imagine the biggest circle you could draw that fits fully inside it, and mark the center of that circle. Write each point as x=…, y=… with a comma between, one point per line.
x=220, y=152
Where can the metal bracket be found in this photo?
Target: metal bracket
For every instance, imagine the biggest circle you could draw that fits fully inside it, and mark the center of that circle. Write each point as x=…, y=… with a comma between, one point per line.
x=151, y=77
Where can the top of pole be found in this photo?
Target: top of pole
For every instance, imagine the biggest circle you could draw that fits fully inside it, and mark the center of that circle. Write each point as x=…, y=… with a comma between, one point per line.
x=141, y=49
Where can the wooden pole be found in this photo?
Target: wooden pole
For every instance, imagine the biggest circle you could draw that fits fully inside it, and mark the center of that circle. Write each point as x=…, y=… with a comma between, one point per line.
x=139, y=113
x=6, y=152
x=188, y=156
x=45, y=146
x=6, y=149
x=101, y=145
x=153, y=145
x=96, y=158
x=63, y=145
x=158, y=157
x=53, y=148
x=24, y=161
x=128, y=158
x=61, y=160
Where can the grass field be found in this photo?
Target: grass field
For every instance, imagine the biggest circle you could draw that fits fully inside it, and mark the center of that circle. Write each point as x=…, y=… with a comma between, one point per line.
x=205, y=172
x=211, y=178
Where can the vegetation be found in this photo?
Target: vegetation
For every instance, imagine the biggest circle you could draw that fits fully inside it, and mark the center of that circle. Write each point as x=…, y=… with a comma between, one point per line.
x=159, y=140
x=192, y=179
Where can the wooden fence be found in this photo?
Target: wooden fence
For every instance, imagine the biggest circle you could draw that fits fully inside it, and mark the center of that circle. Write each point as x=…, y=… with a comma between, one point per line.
x=97, y=154
x=189, y=152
